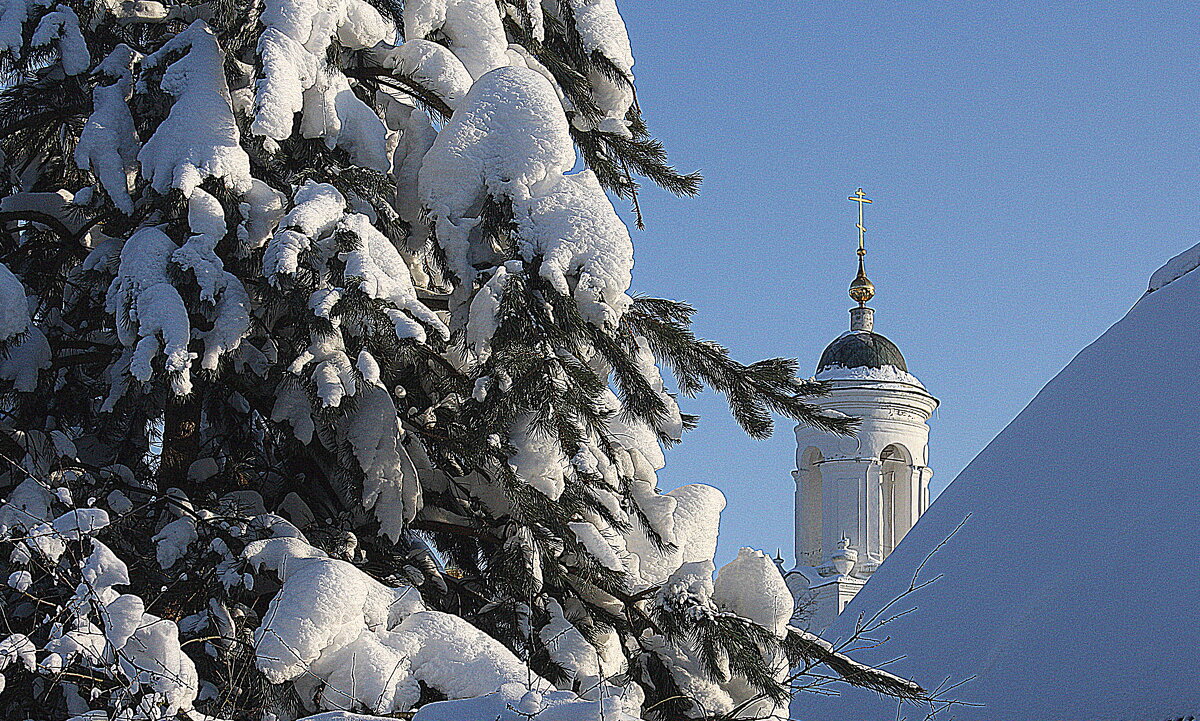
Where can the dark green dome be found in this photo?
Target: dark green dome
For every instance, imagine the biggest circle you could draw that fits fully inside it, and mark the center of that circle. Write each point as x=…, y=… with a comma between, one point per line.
x=861, y=349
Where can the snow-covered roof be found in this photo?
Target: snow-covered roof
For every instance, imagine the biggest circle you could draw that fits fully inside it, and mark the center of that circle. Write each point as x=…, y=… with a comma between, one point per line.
x=1175, y=268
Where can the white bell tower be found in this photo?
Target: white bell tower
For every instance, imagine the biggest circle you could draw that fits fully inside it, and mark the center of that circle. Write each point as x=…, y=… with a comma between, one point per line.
x=857, y=497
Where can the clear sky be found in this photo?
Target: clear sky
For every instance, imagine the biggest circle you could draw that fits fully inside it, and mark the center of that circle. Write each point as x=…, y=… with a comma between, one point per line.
x=1031, y=164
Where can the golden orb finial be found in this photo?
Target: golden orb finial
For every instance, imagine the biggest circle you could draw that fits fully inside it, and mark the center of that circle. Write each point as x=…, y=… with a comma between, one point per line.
x=861, y=288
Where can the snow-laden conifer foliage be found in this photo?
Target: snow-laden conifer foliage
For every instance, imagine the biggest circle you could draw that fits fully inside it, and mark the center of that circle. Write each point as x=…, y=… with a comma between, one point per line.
x=322, y=385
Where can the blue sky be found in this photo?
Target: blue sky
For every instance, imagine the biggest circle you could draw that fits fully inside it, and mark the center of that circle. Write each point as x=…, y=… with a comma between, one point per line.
x=1031, y=165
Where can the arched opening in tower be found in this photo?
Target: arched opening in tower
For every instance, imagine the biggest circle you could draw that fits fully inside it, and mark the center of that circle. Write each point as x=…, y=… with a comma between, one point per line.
x=811, y=508
x=899, y=497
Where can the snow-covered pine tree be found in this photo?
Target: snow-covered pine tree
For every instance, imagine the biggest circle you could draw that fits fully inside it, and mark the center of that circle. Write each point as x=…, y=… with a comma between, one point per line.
x=322, y=388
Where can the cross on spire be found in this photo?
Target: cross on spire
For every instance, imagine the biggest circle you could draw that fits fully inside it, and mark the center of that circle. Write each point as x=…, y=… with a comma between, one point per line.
x=860, y=197
x=861, y=289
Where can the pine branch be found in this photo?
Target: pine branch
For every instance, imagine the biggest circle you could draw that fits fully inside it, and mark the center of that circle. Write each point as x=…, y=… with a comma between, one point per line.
x=752, y=391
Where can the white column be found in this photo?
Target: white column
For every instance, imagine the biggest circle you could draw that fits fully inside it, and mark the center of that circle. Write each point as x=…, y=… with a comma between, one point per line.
x=799, y=517
x=871, y=551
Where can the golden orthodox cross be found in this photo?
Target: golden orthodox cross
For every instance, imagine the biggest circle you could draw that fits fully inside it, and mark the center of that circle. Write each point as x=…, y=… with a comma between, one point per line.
x=860, y=197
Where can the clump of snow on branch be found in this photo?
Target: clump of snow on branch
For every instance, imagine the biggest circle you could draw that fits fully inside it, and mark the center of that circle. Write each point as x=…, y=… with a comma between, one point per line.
x=262, y=208
x=151, y=316
x=472, y=28
x=102, y=629
x=372, y=646
x=538, y=461
x=691, y=590
x=382, y=274
x=296, y=78
x=390, y=484
x=199, y=138
x=750, y=586
x=108, y=145
x=690, y=522
x=516, y=702
x=603, y=33
x=12, y=19
x=416, y=136
x=670, y=424
x=14, y=307
x=572, y=227
x=222, y=289
x=61, y=27
x=509, y=140
x=319, y=225
x=317, y=210
x=23, y=361
x=433, y=66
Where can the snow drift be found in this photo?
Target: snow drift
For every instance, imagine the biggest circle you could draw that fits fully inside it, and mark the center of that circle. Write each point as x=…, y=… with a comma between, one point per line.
x=1070, y=590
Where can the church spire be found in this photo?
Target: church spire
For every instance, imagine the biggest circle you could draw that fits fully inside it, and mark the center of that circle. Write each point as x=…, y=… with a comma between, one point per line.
x=861, y=288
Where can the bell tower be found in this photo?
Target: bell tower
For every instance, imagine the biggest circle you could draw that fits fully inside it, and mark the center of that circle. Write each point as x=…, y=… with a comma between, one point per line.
x=857, y=497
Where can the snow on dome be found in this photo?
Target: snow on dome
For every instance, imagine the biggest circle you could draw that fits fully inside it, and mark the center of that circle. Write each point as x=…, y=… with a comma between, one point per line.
x=887, y=374
x=199, y=138
x=1069, y=591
